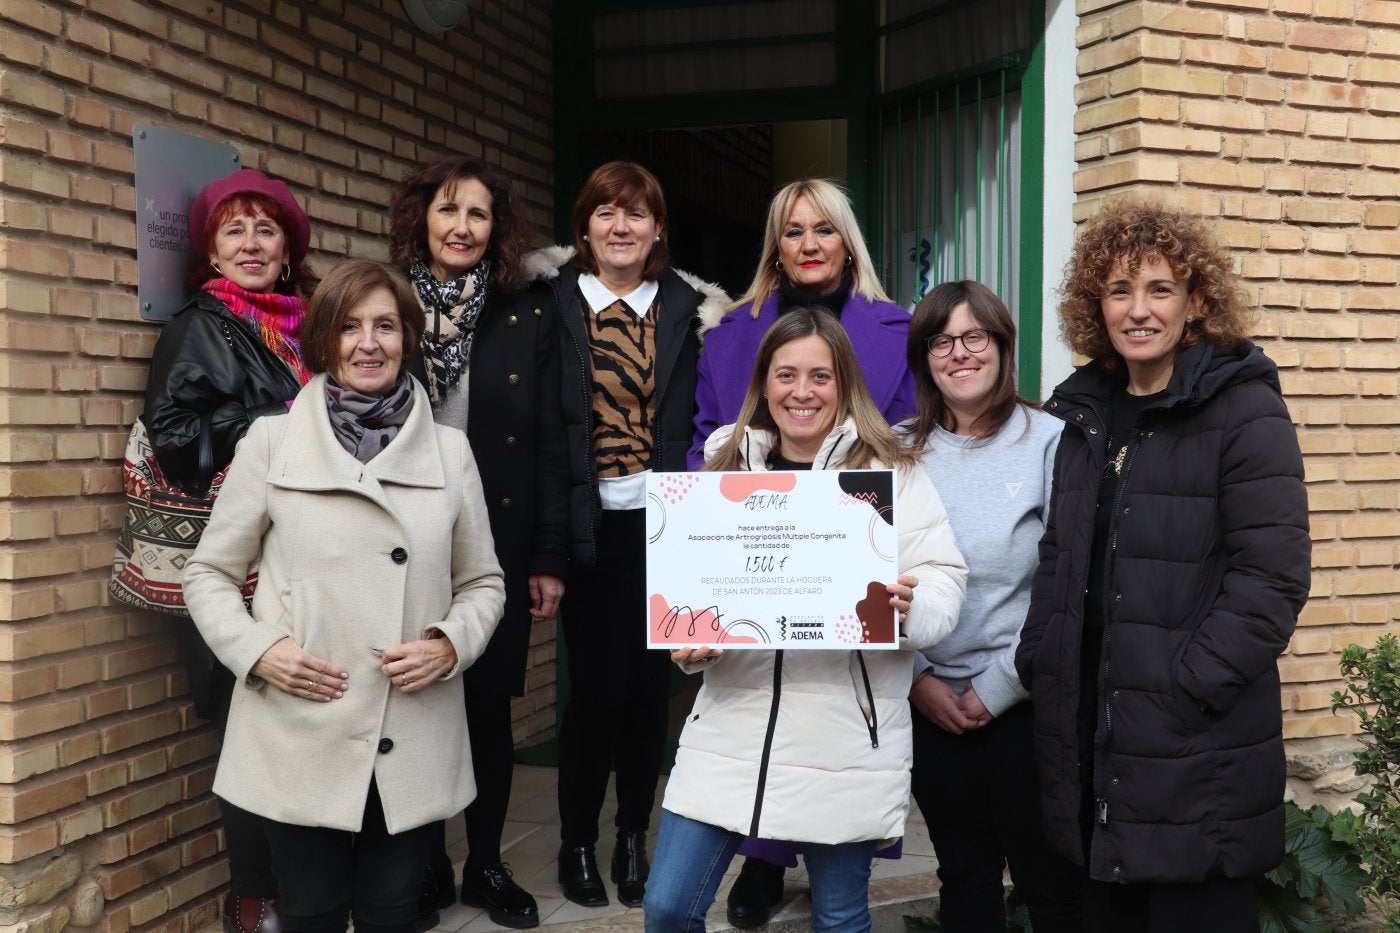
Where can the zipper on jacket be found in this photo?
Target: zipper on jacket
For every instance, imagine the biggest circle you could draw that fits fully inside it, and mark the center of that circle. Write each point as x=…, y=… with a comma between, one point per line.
x=1101, y=811
x=1134, y=441
x=768, y=741
x=872, y=721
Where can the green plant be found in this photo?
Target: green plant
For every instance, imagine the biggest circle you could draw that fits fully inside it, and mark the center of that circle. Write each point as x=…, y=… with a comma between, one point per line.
x=1320, y=860
x=1372, y=693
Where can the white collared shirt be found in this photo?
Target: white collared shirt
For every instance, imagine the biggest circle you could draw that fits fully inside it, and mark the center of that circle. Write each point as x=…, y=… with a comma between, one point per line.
x=600, y=297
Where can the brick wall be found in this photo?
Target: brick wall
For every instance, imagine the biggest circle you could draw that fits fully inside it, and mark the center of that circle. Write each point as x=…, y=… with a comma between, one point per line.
x=1281, y=119
x=105, y=816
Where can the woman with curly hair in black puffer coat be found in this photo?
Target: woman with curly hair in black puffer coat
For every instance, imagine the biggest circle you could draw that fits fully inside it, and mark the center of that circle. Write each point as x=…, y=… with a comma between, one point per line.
x=1172, y=571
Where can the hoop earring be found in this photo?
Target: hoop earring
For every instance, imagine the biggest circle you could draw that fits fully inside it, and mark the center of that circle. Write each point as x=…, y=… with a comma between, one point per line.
x=286, y=273
x=778, y=264
x=215, y=266
x=848, y=260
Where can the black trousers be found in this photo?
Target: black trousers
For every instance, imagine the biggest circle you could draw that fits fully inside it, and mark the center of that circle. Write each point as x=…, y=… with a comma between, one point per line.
x=1216, y=905
x=245, y=842
x=616, y=717
x=493, y=767
x=330, y=876
x=249, y=854
x=980, y=797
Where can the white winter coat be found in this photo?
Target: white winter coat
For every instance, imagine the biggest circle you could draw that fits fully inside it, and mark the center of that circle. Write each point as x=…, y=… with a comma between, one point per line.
x=354, y=557
x=835, y=773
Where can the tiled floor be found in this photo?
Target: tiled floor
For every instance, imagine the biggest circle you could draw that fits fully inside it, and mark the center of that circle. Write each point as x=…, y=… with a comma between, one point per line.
x=532, y=840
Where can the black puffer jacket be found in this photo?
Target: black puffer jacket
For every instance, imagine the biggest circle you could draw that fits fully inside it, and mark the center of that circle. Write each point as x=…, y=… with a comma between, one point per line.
x=209, y=372
x=1207, y=570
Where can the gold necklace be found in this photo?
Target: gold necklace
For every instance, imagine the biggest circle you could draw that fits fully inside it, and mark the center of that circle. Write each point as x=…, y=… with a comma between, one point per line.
x=1117, y=462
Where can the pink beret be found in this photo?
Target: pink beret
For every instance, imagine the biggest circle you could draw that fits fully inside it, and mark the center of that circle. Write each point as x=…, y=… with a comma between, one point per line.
x=245, y=181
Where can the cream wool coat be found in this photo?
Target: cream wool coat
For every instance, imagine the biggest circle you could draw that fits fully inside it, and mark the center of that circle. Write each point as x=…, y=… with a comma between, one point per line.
x=829, y=779
x=329, y=529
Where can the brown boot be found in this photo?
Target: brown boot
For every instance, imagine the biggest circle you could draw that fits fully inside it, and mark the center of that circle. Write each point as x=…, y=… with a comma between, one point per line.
x=251, y=915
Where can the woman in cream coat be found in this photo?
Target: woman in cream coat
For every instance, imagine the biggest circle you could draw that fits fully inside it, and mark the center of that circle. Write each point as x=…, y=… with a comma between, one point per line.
x=777, y=737
x=378, y=585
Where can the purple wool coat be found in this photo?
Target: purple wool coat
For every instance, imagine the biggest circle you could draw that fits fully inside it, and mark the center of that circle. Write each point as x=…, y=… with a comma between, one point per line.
x=878, y=332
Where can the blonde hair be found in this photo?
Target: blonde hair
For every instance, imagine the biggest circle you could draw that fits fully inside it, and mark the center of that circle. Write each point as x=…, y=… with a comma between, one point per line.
x=875, y=442
x=831, y=202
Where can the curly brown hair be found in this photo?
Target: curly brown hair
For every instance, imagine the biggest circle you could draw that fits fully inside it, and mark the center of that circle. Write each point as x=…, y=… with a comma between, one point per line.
x=510, y=227
x=1131, y=230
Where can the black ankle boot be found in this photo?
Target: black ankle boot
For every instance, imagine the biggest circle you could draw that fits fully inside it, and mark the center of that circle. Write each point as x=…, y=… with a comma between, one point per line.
x=630, y=868
x=755, y=892
x=580, y=878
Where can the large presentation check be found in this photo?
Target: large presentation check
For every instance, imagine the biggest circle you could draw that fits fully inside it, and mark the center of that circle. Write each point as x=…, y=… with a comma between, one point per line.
x=771, y=560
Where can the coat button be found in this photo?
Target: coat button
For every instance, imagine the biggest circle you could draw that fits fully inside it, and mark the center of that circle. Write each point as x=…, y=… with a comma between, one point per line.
x=386, y=746
x=505, y=503
x=398, y=555
x=510, y=441
x=1079, y=417
x=513, y=379
x=1093, y=430
x=538, y=312
x=513, y=321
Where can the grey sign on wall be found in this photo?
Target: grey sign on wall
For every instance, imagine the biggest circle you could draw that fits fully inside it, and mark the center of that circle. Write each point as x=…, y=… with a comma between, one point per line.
x=171, y=167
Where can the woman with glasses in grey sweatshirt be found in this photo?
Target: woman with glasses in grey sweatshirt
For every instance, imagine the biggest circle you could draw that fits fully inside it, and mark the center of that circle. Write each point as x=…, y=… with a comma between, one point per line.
x=990, y=455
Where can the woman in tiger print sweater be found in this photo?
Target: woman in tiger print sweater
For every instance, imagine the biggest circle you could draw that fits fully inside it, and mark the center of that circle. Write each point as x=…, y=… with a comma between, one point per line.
x=629, y=348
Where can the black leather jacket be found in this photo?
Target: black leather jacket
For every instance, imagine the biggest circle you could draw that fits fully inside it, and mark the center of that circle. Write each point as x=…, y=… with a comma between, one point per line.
x=210, y=376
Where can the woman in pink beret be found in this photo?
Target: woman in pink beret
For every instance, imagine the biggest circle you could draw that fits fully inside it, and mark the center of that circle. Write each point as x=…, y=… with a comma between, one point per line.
x=230, y=355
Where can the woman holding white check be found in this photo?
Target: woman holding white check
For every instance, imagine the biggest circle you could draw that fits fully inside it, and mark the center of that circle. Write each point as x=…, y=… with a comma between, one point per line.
x=776, y=737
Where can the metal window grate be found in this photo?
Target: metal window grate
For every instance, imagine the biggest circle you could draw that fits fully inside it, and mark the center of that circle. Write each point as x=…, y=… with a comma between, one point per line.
x=950, y=170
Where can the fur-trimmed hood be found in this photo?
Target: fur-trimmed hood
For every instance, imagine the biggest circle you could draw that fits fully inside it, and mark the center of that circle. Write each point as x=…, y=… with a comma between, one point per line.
x=543, y=265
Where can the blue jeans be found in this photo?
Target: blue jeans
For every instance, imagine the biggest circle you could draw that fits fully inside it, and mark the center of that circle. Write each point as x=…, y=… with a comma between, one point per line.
x=691, y=858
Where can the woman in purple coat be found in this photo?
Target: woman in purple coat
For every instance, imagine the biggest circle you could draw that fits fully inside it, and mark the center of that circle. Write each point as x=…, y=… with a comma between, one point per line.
x=813, y=255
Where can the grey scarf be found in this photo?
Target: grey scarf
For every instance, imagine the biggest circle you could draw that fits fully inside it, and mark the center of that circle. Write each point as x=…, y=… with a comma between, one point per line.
x=365, y=424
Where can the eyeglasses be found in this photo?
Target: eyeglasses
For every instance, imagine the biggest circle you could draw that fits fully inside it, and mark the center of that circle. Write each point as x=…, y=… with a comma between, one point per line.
x=973, y=341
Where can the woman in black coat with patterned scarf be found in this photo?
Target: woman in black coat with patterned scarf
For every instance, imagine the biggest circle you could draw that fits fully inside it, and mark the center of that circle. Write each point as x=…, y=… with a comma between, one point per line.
x=491, y=366
x=1172, y=571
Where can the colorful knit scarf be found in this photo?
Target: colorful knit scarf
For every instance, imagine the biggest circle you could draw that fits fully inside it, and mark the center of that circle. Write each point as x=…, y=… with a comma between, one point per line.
x=275, y=318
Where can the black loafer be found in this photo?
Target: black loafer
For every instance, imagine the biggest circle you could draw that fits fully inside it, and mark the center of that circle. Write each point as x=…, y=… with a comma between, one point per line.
x=580, y=878
x=756, y=891
x=507, y=903
x=630, y=868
